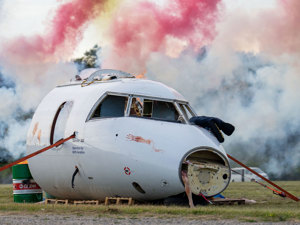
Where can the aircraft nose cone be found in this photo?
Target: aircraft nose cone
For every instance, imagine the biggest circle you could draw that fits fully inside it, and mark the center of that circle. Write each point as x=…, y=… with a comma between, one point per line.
x=207, y=171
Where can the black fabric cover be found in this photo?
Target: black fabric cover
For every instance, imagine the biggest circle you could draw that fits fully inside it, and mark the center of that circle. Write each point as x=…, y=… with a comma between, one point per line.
x=214, y=125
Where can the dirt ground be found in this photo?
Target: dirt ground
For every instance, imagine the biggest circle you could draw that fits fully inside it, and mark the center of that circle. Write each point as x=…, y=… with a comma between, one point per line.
x=80, y=220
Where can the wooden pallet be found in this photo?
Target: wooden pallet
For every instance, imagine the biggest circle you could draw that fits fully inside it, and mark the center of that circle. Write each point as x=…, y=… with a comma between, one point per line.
x=118, y=201
x=56, y=201
x=89, y=202
x=75, y=202
x=228, y=201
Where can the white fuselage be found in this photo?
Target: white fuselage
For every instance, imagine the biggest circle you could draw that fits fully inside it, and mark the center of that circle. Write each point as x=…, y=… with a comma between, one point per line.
x=111, y=153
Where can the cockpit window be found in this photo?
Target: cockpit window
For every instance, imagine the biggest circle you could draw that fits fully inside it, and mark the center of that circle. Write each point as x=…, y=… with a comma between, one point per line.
x=148, y=108
x=186, y=110
x=136, y=108
x=111, y=106
x=164, y=110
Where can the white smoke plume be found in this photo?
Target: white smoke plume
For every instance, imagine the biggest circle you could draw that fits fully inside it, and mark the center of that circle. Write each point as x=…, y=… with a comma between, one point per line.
x=250, y=79
x=247, y=75
x=253, y=94
x=21, y=97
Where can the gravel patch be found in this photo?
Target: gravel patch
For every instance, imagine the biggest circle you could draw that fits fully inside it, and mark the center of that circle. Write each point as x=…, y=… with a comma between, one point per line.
x=82, y=220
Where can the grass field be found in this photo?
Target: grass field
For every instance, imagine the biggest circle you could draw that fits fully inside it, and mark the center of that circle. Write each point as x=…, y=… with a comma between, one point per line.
x=269, y=207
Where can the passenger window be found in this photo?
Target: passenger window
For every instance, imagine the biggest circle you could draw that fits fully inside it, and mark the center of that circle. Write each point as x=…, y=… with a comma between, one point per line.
x=111, y=106
x=148, y=108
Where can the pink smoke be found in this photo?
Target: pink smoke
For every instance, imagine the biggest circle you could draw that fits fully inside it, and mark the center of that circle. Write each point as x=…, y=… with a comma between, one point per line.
x=274, y=31
x=281, y=33
x=61, y=37
x=145, y=27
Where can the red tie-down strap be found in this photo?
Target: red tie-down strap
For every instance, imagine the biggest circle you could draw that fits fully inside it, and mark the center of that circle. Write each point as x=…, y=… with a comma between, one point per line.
x=61, y=141
x=265, y=179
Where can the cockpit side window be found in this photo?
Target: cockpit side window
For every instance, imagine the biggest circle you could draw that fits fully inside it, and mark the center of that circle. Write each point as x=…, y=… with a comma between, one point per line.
x=164, y=110
x=111, y=106
x=186, y=110
x=148, y=108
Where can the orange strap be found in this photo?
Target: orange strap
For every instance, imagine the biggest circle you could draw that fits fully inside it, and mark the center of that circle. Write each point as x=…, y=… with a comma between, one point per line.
x=37, y=152
x=265, y=179
x=280, y=193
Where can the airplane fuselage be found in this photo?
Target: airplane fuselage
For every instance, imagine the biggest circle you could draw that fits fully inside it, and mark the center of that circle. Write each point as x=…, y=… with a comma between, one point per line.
x=122, y=153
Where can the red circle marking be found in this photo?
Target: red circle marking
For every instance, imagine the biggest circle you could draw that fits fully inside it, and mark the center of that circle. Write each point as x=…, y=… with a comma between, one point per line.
x=127, y=170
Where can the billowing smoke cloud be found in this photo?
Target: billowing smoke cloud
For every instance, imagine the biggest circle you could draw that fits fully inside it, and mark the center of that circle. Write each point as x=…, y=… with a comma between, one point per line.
x=142, y=28
x=282, y=32
x=31, y=66
x=34, y=64
x=21, y=98
x=242, y=67
x=62, y=35
x=248, y=76
x=273, y=31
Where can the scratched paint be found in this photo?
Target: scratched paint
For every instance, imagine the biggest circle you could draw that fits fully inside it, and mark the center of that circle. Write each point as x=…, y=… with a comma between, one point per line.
x=140, y=139
x=36, y=134
x=35, y=128
x=39, y=135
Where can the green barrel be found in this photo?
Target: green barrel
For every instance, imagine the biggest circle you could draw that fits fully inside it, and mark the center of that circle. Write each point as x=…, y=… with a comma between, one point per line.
x=25, y=189
x=49, y=196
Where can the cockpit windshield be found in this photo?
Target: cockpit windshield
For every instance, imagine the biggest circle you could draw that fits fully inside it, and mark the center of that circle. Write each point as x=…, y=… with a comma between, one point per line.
x=122, y=105
x=155, y=109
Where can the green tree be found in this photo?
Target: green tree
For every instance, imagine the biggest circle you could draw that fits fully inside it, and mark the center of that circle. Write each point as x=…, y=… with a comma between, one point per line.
x=89, y=60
